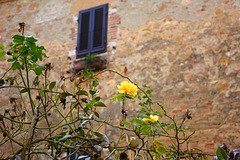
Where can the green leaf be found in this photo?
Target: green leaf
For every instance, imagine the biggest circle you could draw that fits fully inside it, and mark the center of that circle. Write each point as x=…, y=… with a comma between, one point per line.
x=56, y=138
x=100, y=104
x=15, y=65
x=82, y=92
x=81, y=132
x=55, y=144
x=96, y=114
x=38, y=70
x=10, y=60
x=152, y=148
x=97, y=98
x=2, y=54
x=10, y=44
x=41, y=93
x=52, y=85
x=160, y=150
x=64, y=138
x=39, y=65
x=98, y=148
x=31, y=40
x=18, y=39
x=84, y=122
x=148, y=92
x=2, y=47
x=119, y=98
x=146, y=131
x=127, y=138
x=145, y=96
x=187, y=128
x=114, y=97
x=134, y=143
x=95, y=83
x=24, y=53
x=92, y=92
x=24, y=90
x=68, y=142
x=205, y=157
x=65, y=94
x=158, y=143
x=137, y=120
x=72, y=101
x=125, y=123
x=221, y=154
x=89, y=105
x=63, y=133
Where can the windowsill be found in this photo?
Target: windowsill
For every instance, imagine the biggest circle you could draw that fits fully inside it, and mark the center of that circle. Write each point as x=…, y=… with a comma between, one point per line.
x=99, y=64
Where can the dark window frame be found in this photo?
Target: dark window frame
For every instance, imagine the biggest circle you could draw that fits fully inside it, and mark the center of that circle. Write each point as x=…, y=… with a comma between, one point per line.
x=80, y=50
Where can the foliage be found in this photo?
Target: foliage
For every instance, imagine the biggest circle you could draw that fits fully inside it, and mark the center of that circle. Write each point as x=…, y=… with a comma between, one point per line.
x=75, y=113
x=222, y=151
x=89, y=59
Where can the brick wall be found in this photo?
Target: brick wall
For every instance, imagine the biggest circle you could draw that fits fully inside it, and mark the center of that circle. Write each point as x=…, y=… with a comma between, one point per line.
x=187, y=51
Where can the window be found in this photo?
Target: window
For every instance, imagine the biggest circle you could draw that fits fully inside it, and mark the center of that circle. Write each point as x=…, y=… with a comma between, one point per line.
x=92, y=30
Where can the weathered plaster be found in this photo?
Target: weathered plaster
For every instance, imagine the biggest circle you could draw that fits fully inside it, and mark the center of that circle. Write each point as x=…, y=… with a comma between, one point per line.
x=135, y=13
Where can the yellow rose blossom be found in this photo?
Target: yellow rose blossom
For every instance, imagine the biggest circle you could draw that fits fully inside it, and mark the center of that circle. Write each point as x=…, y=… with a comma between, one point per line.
x=128, y=88
x=153, y=118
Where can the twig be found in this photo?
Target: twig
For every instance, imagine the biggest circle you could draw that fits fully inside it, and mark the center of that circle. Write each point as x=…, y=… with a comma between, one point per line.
x=9, y=136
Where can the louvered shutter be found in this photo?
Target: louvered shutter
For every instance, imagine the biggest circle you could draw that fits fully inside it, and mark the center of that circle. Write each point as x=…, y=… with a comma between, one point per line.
x=84, y=34
x=92, y=31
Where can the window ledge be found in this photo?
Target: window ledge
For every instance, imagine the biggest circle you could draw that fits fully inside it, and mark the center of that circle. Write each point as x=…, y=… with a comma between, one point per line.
x=99, y=64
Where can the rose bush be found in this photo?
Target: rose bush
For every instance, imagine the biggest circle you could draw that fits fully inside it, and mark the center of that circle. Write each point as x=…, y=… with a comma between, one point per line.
x=72, y=135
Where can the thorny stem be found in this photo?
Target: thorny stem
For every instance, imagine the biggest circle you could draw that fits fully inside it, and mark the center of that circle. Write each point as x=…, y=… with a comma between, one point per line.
x=74, y=88
x=120, y=136
x=176, y=129
x=30, y=135
x=6, y=73
x=45, y=105
x=12, y=146
x=123, y=119
x=64, y=118
x=12, y=120
x=188, y=137
x=24, y=105
x=150, y=154
x=21, y=75
x=9, y=136
x=110, y=154
x=29, y=91
x=60, y=125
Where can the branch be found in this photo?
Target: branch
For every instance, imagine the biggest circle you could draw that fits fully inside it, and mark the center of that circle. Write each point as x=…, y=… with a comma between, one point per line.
x=14, y=120
x=9, y=136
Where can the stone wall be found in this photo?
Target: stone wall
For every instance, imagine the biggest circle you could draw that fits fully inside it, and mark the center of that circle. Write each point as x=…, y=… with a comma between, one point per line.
x=188, y=51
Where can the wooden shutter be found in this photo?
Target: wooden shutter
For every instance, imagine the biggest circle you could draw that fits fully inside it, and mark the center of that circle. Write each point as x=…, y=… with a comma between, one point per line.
x=92, y=31
x=98, y=28
x=84, y=35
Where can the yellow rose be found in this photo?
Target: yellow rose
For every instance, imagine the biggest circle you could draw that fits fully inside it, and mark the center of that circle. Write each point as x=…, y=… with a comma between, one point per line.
x=153, y=118
x=128, y=88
